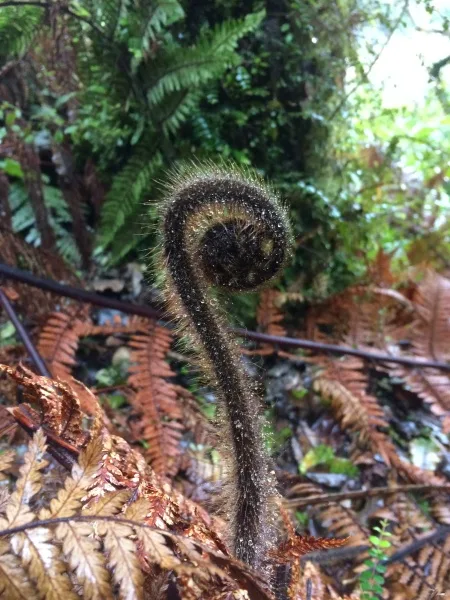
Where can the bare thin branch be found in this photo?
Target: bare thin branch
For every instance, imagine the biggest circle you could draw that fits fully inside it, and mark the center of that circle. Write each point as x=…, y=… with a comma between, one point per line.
x=145, y=311
x=356, y=495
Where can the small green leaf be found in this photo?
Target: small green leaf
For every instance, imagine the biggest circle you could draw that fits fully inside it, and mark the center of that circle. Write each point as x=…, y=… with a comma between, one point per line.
x=116, y=401
x=374, y=540
x=10, y=118
x=12, y=167
x=316, y=456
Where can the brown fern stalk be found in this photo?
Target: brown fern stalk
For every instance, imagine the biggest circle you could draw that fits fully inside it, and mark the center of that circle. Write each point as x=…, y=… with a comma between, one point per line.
x=228, y=230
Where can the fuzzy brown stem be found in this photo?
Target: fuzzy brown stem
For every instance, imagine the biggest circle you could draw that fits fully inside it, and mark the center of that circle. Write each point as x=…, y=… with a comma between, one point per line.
x=201, y=251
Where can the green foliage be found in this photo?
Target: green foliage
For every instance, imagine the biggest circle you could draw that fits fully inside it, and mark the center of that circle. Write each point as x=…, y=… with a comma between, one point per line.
x=147, y=83
x=302, y=517
x=324, y=455
x=371, y=580
x=137, y=78
x=24, y=222
x=116, y=401
x=109, y=376
x=11, y=167
x=287, y=91
x=18, y=28
x=126, y=192
x=8, y=334
x=275, y=438
x=186, y=69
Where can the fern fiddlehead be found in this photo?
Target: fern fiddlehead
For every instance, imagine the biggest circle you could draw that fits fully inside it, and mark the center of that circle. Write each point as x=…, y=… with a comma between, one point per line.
x=226, y=229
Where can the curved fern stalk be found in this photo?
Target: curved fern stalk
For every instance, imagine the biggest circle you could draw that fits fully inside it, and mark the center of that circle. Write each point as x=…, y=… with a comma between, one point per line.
x=228, y=230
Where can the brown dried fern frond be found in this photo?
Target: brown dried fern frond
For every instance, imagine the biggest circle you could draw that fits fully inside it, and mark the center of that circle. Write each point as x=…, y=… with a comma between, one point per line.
x=428, y=337
x=59, y=339
x=334, y=518
x=157, y=402
x=121, y=467
x=424, y=570
x=310, y=580
x=358, y=317
x=53, y=405
x=160, y=422
x=105, y=551
x=362, y=315
x=269, y=318
x=107, y=477
x=343, y=382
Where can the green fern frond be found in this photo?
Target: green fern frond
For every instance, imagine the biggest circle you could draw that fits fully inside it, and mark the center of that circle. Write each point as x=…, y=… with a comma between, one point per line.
x=190, y=68
x=123, y=241
x=161, y=15
x=224, y=37
x=18, y=27
x=176, y=109
x=24, y=221
x=128, y=188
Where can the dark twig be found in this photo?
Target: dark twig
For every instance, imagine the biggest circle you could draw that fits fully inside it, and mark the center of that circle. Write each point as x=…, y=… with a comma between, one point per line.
x=66, y=454
x=334, y=556
x=336, y=349
x=145, y=311
x=77, y=293
x=438, y=535
x=23, y=334
x=356, y=495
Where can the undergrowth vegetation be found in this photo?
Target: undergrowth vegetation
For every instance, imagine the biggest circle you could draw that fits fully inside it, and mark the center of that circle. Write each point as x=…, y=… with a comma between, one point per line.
x=109, y=455
x=142, y=449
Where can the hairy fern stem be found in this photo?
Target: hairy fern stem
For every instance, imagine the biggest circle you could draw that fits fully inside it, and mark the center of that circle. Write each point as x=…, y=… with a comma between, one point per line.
x=227, y=229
